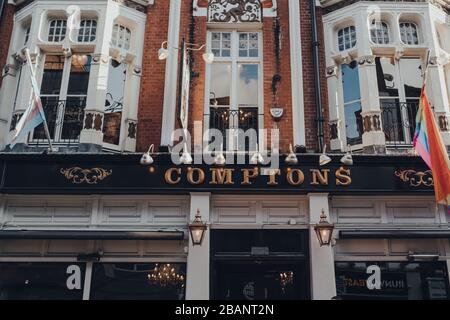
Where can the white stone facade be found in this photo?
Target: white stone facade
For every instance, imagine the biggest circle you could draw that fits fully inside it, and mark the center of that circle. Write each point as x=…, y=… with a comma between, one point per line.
x=433, y=31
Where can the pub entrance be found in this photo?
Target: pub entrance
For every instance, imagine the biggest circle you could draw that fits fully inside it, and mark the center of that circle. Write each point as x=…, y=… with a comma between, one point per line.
x=259, y=265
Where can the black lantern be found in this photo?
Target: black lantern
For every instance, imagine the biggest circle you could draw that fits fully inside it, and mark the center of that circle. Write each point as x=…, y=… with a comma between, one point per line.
x=324, y=230
x=197, y=229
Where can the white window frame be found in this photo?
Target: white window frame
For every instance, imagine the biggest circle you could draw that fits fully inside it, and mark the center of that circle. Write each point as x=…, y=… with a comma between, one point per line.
x=86, y=31
x=409, y=35
x=125, y=108
x=123, y=30
x=63, y=95
x=347, y=45
x=342, y=105
x=376, y=26
x=63, y=26
x=235, y=60
x=402, y=98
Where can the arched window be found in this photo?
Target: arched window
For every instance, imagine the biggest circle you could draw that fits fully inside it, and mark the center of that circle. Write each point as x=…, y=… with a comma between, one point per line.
x=379, y=32
x=409, y=33
x=57, y=30
x=121, y=37
x=88, y=30
x=347, y=38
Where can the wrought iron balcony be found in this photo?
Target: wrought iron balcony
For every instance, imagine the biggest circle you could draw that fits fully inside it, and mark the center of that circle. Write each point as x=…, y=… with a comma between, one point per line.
x=64, y=119
x=399, y=122
x=224, y=119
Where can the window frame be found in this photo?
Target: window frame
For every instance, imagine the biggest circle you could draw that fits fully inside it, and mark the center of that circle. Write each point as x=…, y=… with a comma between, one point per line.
x=417, y=30
x=344, y=35
x=61, y=109
x=374, y=26
x=115, y=39
x=62, y=27
x=87, y=31
x=235, y=61
x=342, y=110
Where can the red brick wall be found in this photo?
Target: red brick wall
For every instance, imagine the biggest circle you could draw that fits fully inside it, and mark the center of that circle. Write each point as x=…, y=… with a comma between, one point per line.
x=194, y=30
x=284, y=92
x=308, y=76
x=152, y=81
x=6, y=27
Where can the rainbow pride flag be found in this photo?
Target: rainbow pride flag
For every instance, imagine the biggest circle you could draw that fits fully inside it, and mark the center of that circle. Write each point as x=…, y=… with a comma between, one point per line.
x=429, y=144
x=34, y=114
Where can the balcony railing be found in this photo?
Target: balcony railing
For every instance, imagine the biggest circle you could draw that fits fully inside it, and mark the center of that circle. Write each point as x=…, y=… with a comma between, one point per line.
x=399, y=122
x=224, y=119
x=64, y=120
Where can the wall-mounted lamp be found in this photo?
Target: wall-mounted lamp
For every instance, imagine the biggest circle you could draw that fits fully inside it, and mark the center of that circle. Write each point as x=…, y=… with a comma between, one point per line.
x=197, y=229
x=324, y=159
x=348, y=158
x=163, y=52
x=324, y=230
x=146, y=158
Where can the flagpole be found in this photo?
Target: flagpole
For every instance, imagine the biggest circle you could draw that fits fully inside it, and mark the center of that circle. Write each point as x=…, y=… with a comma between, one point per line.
x=33, y=74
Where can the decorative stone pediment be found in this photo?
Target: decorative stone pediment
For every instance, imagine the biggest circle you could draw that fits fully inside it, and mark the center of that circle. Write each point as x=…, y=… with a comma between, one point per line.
x=235, y=11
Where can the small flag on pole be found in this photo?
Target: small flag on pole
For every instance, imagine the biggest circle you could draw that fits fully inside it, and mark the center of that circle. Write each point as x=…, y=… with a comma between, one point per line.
x=429, y=144
x=34, y=114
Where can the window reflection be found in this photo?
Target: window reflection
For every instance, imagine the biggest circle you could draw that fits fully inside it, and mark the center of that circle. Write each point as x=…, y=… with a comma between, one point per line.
x=138, y=282
x=117, y=75
x=248, y=85
x=220, y=84
x=352, y=103
x=41, y=281
x=399, y=281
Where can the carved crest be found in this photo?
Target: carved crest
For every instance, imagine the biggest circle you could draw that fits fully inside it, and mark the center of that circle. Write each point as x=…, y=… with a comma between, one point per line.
x=235, y=11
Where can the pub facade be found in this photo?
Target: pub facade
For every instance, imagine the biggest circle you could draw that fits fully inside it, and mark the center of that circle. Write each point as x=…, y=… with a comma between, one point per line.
x=108, y=212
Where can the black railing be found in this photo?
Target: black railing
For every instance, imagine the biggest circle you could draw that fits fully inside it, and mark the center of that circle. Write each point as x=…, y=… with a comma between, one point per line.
x=399, y=122
x=224, y=119
x=64, y=120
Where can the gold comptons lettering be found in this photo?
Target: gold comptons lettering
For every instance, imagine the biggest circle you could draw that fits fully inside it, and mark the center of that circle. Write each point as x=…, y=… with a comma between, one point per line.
x=226, y=176
x=295, y=177
x=343, y=177
x=195, y=176
x=319, y=177
x=222, y=176
x=249, y=174
x=169, y=176
x=273, y=174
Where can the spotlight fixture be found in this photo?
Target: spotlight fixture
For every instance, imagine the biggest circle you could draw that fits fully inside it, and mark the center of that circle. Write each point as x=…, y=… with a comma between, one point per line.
x=208, y=57
x=220, y=160
x=324, y=159
x=147, y=159
x=348, y=158
x=292, y=157
x=163, y=53
x=186, y=158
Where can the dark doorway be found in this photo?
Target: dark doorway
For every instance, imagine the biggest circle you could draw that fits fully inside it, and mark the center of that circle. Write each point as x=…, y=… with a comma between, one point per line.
x=260, y=265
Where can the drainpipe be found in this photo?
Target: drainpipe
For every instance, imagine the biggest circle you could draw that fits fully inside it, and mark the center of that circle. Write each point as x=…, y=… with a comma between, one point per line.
x=317, y=86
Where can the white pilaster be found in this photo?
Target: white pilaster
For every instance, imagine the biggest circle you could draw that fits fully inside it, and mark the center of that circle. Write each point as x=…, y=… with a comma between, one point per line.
x=298, y=107
x=170, y=85
x=197, y=278
x=323, y=280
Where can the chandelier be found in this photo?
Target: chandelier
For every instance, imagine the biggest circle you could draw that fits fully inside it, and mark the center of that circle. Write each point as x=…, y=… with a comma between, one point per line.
x=166, y=275
x=286, y=278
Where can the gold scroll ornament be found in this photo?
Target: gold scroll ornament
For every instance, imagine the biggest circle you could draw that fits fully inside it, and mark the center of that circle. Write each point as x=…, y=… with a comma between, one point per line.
x=416, y=178
x=90, y=176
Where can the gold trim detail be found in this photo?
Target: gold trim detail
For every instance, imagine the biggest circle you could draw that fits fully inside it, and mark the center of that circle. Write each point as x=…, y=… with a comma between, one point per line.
x=416, y=178
x=90, y=176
